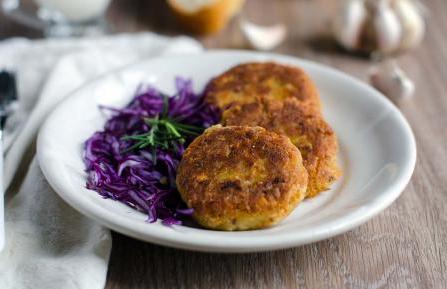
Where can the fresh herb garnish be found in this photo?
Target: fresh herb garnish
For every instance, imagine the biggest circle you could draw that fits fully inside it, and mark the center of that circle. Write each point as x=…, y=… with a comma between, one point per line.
x=165, y=132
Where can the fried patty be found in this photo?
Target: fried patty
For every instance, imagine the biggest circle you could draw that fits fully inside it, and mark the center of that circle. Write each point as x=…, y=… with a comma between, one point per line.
x=310, y=133
x=246, y=83
x=241, y=178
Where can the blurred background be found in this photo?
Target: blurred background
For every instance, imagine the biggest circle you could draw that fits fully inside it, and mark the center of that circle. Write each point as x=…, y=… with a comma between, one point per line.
x=158, y=16
x=309, y=23
x=326, y=30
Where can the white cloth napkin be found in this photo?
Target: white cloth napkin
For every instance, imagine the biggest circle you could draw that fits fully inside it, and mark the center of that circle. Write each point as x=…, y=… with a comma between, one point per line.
x=48, y=244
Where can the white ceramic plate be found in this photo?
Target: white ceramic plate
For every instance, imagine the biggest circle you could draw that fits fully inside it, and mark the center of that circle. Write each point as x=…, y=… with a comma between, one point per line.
x=377, y=154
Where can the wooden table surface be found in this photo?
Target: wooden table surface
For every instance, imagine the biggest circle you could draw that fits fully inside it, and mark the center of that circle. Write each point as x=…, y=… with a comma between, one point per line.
x=403, y=247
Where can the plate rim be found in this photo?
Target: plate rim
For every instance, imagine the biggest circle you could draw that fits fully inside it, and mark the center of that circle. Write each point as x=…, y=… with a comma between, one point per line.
x=341, y=225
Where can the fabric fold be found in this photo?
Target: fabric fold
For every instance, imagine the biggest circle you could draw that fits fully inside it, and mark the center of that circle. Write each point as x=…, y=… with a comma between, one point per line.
x=49, y=244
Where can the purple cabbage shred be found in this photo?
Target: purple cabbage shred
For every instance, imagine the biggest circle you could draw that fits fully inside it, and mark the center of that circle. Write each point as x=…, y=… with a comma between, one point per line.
x=134, y=177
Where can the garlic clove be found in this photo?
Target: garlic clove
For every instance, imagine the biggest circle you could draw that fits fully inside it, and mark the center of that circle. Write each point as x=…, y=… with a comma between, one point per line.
x=392, y=81
x=263, y=37
x=349, y=24
x=412, y=22
x=387, y=26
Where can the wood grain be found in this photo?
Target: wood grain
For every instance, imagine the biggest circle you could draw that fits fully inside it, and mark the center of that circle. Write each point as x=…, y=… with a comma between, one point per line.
x=403, y=247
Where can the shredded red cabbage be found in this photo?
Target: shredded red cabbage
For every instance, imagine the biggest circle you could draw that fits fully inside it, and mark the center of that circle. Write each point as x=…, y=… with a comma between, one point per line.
x=134, y=177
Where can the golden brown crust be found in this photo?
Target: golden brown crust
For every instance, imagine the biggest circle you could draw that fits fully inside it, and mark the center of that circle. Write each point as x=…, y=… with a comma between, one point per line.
x=241, y=178
x=314, y=138
x=247, y=83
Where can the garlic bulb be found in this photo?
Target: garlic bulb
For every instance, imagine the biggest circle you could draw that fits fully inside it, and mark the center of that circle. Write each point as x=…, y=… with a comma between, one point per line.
x=382, y=26
x=392, y=81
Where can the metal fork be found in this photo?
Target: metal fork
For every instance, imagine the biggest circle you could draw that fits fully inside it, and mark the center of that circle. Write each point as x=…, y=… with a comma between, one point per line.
x=8, y=99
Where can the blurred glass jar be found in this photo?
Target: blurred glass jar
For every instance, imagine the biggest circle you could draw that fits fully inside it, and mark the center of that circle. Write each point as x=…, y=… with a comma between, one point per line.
x=60, y=17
